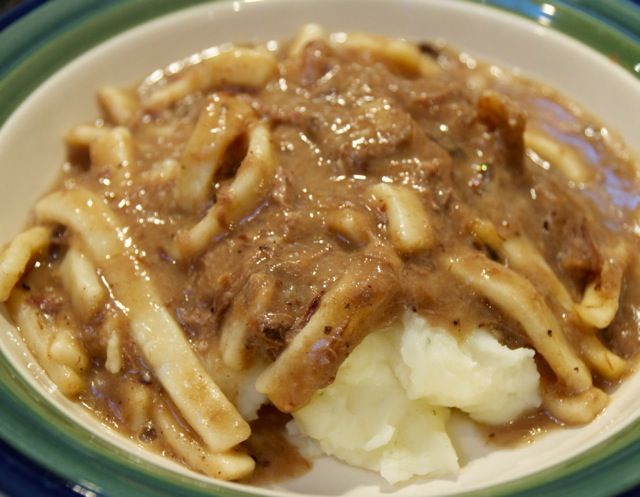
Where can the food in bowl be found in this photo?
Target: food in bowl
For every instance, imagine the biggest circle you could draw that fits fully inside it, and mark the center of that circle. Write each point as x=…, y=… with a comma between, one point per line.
x=360, y=233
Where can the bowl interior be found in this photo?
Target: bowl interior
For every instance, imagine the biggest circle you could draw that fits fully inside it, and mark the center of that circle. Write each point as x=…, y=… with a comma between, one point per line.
x=31, y=152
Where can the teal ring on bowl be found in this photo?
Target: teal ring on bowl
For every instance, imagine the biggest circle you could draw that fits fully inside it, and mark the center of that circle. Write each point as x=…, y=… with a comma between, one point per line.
x=42, y=42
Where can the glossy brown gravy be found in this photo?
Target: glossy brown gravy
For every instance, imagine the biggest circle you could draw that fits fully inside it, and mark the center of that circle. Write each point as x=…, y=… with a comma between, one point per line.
x=341, y=122
x=277, y=459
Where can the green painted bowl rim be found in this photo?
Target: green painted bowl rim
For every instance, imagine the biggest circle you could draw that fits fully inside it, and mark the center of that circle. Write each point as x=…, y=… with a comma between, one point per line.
x=55, y=33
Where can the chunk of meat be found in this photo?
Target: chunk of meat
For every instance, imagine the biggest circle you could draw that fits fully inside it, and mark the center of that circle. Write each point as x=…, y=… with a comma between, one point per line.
x=503, y=116
x=579, y=255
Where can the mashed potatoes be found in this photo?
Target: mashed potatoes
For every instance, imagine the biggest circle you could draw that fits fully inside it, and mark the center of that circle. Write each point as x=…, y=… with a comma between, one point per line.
x=388, y=408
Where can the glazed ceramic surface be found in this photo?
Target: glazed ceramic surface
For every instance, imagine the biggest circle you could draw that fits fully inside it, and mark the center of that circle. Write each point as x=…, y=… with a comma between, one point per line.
x=57, y=433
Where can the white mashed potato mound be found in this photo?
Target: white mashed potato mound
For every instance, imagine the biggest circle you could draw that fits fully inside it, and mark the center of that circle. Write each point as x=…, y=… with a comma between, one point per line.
x=387, y=409
x=480, y=376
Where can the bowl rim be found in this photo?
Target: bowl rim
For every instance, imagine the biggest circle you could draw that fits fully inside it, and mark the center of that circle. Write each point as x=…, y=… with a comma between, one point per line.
x=73, y=28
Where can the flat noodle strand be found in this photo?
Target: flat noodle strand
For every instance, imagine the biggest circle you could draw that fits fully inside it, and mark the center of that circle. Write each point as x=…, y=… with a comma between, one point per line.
x=341, y=322
x=244, y=67
x=601, y=298
x=16, y=256
x=162, y=342
x=408, y=223
x=80, y=280
x=396, y=53
x=515, y=296
x=520, y=254
x=251, y=184
x=54, y=348
x=578, y=409
x=563, y=157
x=222, y=120
x=230, y=465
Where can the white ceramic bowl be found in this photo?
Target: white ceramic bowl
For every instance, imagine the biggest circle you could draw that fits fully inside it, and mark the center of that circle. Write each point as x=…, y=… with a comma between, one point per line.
x=31, y=151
